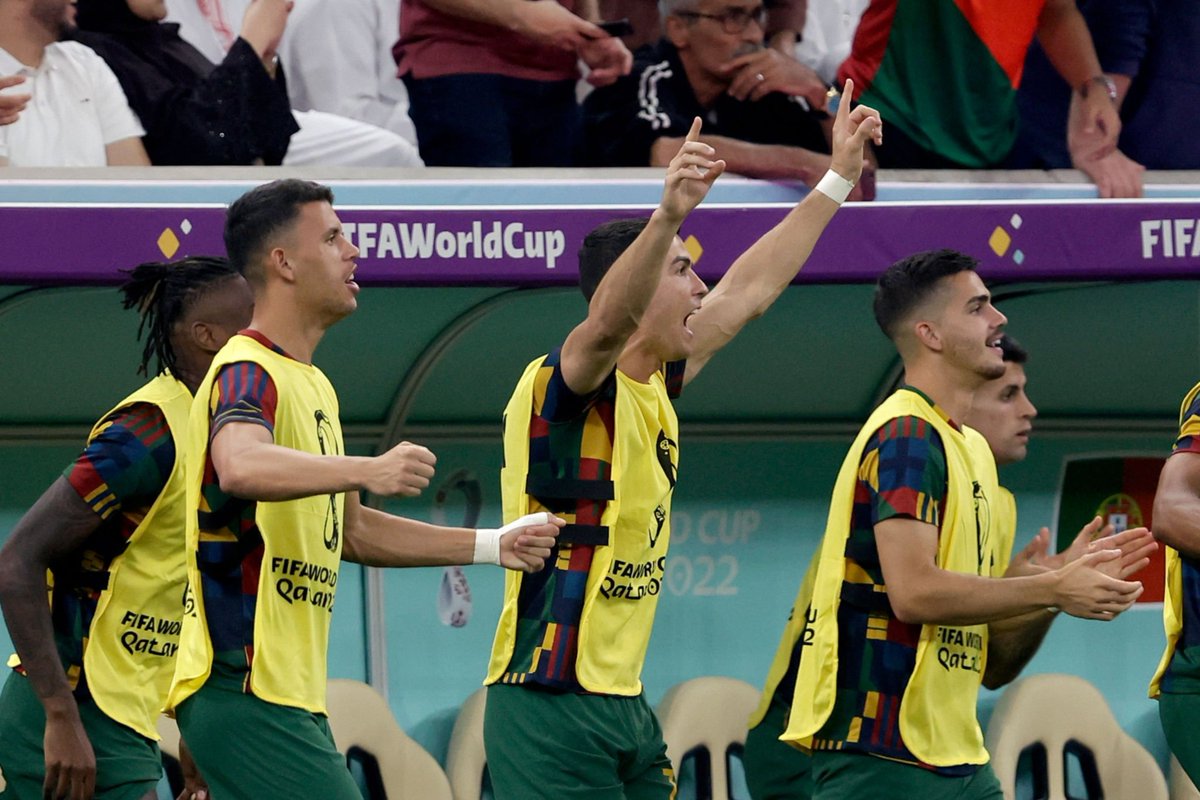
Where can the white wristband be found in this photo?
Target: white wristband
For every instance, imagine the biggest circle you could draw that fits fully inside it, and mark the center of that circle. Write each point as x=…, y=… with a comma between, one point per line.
x=487, y=540
x=835, y=187
x=487, y=546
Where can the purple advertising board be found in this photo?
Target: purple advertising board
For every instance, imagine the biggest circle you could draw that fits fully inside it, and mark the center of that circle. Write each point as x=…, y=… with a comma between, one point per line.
x=1014, y=240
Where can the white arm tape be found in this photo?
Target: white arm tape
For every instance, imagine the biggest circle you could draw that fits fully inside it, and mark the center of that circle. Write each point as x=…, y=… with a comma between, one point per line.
x=487, y=540
x=835, y=187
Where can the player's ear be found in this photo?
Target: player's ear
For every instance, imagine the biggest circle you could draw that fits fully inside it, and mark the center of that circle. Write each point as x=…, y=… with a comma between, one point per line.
x=926, y=334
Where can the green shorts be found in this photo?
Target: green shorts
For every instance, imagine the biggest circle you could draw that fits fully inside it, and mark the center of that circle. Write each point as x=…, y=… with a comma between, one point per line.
x=249, y=749
x=775, y=770
x=857, y=776
x=1178, y=715
x=560, y=746
x=128, y=765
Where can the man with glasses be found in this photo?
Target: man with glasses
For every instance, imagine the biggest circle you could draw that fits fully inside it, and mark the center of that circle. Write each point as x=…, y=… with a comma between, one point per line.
x=762, y=110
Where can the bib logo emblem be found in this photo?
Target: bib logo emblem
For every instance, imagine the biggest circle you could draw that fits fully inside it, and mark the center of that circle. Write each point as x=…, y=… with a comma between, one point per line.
x=667, y=452
x=327, y=440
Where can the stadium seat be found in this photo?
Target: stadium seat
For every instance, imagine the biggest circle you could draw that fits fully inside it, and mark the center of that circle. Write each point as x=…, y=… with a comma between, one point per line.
x=1181, y=785
x=1063, y=727
x=361, y=721
x=706, y=717
x=466, y=760
x=169, y=732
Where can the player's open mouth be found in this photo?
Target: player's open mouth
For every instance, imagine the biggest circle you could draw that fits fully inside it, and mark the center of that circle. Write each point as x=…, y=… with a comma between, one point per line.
x=994, y=344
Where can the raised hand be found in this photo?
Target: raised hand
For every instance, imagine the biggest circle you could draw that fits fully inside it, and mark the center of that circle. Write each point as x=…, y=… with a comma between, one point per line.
x=607, y=60
x=689, y=176
x=528, y=542
x=403, y=471
x=851, y=131
x=761, y=72
x=1083, y=588
x=263, y=25
x=1136, y=545
x=11, y=105
x=1031, y=559
x=1080, y=546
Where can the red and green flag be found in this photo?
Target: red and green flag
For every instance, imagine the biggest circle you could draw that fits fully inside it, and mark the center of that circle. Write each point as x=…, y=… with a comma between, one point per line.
x=1120, y=489
x=945, y=72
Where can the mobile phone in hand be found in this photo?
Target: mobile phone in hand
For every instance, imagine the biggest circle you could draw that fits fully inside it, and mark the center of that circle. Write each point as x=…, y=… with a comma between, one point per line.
x=616, y=27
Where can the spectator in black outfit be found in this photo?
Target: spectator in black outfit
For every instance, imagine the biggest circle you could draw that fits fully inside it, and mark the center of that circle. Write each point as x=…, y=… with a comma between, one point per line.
x=757, y=104
x=195, y=112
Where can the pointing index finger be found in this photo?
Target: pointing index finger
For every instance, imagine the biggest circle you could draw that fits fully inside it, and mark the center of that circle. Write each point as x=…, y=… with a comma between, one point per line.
x=843, y=111
x=694, y=133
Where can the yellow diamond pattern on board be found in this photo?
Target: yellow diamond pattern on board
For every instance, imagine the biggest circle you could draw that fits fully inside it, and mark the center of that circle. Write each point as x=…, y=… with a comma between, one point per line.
x=692, y=244
x=168, y=243
x=999, y=241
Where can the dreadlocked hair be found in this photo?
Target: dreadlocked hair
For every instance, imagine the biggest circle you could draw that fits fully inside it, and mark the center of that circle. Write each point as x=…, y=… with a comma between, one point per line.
x=161, y=292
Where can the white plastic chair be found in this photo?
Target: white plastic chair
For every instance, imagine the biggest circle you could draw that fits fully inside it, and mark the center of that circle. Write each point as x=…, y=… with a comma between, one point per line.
x=709, y=714
x=360, y=718
x=1180, y=784
x=466, y=759
x=1063, y=714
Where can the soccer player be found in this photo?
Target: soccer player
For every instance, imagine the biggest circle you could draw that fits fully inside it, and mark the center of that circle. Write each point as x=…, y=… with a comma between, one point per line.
x=78, y=713
x=1003, y=413
x=906, y=584
x=591, y=434
x=274, y=508
x=1176, y=682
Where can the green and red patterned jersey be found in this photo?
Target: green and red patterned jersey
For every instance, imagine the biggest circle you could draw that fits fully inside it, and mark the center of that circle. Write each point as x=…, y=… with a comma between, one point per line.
x=1183, y=673
x=571, y=439
x=945, y=72
x=230, y=551
x=119, y=474
x=902, y=474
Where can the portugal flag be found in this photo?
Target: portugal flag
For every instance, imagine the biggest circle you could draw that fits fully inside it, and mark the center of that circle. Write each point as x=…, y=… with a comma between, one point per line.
x=945, y=72
x=1121, y=490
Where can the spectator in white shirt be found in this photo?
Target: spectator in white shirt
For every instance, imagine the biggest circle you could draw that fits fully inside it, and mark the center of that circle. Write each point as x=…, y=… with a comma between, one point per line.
x=360, y=81
x=77, y=115
x=829, y=28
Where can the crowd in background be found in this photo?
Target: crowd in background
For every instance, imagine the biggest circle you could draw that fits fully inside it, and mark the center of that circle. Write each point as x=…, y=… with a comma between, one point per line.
x=1039, y=84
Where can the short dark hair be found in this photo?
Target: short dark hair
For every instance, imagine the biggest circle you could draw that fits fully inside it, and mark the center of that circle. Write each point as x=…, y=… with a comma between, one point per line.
x=602, y=247
x=909, y=282
x=1012, y=350
x=260, y=213
x=162, y=293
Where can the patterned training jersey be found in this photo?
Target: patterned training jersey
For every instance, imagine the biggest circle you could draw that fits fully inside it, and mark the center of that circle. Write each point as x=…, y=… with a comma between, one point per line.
x=230, y=551
x=263, y=588
x=1183, y=671
x=903, y=474
x=570, y=439
x=119, y=474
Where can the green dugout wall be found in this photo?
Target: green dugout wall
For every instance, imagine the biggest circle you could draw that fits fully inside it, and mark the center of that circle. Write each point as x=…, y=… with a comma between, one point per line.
x=763, y=431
